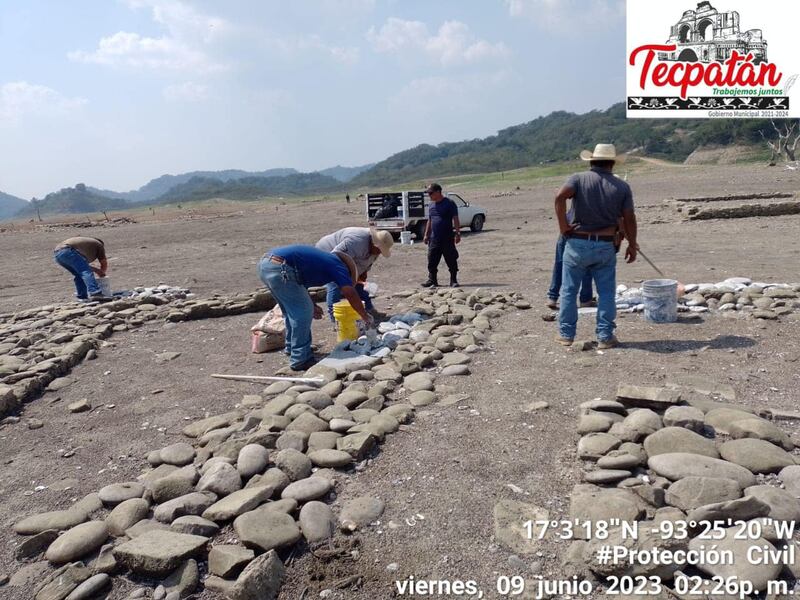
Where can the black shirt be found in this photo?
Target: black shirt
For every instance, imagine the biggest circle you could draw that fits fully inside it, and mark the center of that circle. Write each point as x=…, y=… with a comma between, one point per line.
x=441, y=215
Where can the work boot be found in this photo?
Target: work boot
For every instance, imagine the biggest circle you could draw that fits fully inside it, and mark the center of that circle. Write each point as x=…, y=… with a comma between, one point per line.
x=305, y=366
x=564, y=341
x=431, y=283
x=100, y=297
x=611, y=342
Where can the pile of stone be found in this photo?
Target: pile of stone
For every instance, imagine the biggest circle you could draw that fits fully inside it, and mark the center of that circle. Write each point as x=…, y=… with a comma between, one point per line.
x=673, y=460
x=268, y=468
x=381, y=342
x=738, y=296
x=40, y=346
x=737, y=206
x=164, y=291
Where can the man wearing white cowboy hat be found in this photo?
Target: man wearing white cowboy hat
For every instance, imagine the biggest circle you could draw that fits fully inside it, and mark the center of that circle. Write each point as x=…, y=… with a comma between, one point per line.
x=288, y=272
x=599, y=200
x=364, y=245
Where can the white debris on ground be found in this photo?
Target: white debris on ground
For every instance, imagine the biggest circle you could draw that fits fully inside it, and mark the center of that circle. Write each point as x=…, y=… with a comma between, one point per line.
x=381, y=342
x=159, y=290
x=739, y=294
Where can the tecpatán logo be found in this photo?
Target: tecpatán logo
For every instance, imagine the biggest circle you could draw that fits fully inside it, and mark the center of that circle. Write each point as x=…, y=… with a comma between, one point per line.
x=710, y=65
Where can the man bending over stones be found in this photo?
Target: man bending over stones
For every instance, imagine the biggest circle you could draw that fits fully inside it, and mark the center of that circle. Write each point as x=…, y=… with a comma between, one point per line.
x=364, y=246
x=599, y=200
x=75, y=255
x=288, y=272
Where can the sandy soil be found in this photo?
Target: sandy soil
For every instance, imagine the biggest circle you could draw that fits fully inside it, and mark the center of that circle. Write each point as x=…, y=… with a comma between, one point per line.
x=453, y=464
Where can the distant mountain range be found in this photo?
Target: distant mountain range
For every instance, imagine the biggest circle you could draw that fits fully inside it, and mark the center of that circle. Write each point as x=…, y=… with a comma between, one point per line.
x=557, y=137
x=185, y=187
x=249, y=188
x=10, y=205
x=157, y=188
x=345, y=174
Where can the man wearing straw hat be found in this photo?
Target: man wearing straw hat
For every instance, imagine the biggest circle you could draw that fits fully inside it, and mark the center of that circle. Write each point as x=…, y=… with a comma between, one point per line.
x=288, y=272
x=599, y=200
x=364, y=245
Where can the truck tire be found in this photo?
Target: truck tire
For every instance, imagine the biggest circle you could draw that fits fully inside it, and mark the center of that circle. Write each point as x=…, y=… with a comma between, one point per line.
x=419, y=230
x=477, y=223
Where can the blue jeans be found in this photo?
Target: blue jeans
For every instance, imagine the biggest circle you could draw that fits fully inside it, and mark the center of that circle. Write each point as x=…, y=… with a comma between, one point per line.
x=335, y=294
x=74, y=262
x=599, y=260
x=297, y=307
x=555, y=281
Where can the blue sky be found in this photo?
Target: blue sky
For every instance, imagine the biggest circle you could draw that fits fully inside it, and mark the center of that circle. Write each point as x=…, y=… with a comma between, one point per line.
x=113, y=93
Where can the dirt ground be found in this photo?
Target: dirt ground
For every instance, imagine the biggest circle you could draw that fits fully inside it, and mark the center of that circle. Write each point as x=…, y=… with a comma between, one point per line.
x=452, y=464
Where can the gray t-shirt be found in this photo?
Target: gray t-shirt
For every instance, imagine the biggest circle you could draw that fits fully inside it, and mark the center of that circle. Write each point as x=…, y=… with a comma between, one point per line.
x=600, y=197
x=353, y=241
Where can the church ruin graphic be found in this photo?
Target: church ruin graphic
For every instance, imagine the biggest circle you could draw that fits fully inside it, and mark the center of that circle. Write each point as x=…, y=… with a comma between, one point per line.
x=708, y=35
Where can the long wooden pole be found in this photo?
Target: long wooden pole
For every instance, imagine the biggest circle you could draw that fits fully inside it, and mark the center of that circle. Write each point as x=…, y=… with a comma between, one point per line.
x=262, y=379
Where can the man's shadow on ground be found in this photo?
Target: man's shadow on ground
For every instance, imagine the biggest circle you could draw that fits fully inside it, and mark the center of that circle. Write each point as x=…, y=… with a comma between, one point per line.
x=722, y=342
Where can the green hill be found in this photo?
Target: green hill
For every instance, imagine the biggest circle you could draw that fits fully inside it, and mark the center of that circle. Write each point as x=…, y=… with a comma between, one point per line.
x=10, y=205
x=249, y=188
x=159, y=186
x=345, y=174
x=560, y=136
x=78, y=199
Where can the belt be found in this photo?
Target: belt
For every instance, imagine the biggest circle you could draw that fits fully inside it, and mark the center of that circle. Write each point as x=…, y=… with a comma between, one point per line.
x=590, y=236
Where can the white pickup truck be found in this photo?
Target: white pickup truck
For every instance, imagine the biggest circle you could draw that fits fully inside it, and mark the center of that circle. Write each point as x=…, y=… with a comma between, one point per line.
x=408, y=211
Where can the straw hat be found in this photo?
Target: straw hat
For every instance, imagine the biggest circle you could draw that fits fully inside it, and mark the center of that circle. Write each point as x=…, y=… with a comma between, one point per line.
x=351, y=265
x=602, y=152
x=383, y=240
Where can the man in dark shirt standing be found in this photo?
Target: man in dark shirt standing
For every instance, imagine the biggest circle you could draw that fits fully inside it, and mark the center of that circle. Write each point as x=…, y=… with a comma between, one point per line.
x=442, y=233
x=599, y=200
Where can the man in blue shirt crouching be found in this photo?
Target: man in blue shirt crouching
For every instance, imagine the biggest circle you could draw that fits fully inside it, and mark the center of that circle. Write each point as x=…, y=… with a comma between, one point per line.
x=288, y=272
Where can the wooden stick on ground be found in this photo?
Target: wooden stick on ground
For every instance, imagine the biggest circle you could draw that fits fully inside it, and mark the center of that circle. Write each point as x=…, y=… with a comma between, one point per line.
x=262, y=379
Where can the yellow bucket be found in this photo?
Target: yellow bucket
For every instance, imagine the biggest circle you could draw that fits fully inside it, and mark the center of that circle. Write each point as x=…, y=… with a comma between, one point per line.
x=346, y=321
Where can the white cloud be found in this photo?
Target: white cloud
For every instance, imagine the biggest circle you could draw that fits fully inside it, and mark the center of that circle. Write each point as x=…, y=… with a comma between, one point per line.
x=452, y=44
x=187, y=46
x=466, y=94
x=348, y=56
x=126, y=49
x=186, y=92
x=292, y=46
x=567, y=14
x=19, y=99
x=183, y=21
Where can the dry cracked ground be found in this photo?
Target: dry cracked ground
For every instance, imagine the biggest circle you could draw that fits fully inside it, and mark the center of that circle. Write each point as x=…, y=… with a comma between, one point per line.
x=442, y=476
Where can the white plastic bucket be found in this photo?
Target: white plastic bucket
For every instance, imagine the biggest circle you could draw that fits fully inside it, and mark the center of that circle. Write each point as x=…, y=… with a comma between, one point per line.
x=405, y=237
x=105, y=285
x=660, y=300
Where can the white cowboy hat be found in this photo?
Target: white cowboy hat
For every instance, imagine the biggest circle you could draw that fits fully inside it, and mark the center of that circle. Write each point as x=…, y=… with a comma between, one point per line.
x=602, y=152
x=383, y=241
x=351, y=265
